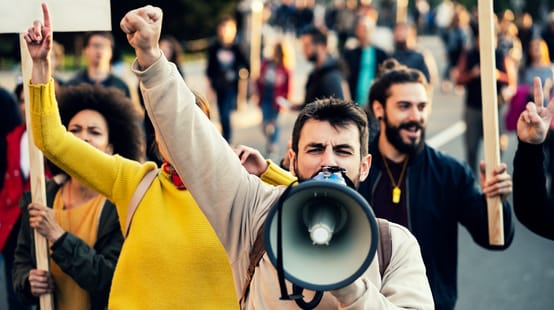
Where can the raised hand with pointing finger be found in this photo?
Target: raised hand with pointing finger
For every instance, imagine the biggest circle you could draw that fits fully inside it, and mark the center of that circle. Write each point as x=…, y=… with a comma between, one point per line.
x=39, y=44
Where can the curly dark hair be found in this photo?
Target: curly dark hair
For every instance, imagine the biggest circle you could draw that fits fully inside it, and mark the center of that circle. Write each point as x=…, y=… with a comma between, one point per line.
x=123, y=120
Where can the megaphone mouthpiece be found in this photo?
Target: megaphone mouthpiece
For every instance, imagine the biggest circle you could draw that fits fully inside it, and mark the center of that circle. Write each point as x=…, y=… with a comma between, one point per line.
x=321, y=234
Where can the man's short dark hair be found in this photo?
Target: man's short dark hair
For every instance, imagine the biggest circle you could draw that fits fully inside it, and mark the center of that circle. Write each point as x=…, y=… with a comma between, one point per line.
x=318, y=36
x=339, y=113
x=392, y=73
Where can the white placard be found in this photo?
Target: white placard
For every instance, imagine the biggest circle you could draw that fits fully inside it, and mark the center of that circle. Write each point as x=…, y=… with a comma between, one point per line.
x=66, y=15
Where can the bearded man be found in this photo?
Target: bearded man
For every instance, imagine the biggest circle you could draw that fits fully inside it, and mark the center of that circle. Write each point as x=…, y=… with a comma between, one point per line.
x=427, y=191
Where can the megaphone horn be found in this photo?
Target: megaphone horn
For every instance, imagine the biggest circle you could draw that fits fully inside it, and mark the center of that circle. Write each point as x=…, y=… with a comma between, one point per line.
x=329, y=235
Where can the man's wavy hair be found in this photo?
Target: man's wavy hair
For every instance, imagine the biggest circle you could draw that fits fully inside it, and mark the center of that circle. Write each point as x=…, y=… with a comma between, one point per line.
x=391, y=72
x=123, y=120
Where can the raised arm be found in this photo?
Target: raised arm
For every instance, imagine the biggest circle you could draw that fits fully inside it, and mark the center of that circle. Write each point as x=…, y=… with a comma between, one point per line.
x=531, y=204
x=223, y=189
x=60, y=146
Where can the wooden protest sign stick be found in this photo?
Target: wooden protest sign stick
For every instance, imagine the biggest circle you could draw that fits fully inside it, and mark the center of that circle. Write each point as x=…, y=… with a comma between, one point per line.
x=490, y=114
x=36, y=175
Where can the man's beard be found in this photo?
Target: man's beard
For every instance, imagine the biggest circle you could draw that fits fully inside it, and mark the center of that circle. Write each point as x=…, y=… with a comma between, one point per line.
x=401, y=45
x=393, y=136
x=312, y=57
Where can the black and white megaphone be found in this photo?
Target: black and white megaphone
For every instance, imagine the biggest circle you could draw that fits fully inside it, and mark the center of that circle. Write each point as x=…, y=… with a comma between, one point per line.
x=322, y=235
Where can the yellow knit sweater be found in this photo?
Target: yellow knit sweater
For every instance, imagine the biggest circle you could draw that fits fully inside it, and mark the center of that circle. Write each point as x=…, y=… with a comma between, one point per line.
x=172, y=258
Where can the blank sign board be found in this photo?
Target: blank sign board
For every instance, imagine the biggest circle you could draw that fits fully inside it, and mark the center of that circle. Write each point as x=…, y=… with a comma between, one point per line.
x=66, y=15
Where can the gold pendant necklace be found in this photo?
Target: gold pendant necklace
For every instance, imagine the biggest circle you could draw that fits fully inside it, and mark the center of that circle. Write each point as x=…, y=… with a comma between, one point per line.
x=395, y=184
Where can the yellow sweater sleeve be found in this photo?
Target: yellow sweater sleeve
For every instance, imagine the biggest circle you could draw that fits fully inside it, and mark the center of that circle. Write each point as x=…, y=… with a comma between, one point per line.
x=113, y=176
x=275, y=175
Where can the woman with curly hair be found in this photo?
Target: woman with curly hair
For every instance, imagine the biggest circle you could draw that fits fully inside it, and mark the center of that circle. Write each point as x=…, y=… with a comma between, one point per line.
x=80, y=224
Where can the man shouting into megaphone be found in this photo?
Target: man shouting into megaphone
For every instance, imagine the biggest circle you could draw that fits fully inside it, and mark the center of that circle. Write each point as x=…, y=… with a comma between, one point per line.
x=327, y=132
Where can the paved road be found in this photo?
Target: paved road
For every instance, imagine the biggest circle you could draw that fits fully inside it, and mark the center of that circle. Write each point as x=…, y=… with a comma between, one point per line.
x=520, y=278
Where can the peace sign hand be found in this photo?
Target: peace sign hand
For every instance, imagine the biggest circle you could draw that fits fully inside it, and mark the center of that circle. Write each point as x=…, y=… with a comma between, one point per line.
x=534, y=121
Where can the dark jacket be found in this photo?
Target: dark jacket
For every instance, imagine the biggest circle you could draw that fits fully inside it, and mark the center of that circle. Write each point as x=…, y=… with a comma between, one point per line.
x=110, y=81
x=352, y=59
x=325, y=82
x=91, y=268
x=473, y=85
x=531, y=204
x=412, y=59
x=442, y=192
x=224, y=75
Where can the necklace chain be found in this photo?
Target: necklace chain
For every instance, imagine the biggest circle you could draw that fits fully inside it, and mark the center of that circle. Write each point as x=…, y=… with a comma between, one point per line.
x=395, y=184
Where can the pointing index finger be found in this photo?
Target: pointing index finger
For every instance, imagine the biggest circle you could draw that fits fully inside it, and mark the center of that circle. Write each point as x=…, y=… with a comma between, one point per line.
x=46, y=15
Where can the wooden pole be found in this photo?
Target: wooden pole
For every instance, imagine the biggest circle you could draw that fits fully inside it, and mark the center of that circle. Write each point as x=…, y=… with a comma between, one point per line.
x=256, y=38
x=36, y=176
x=401, y=11
x=490, y=114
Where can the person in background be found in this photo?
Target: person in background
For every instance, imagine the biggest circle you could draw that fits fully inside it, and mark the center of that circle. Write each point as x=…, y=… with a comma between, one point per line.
x=326, y=78
x=173, y=51
x=363, y=61
x=58, y=54
x=469, y=75
x=327, y=132
x=532, y=205
x=225, y=61
x=273, y=87
x=425, y=190
x=457, y=39
x=10, y=118
x=405, y=36
x=527, y=30
x=15, y=180
x=99, y=47
x=547, y=34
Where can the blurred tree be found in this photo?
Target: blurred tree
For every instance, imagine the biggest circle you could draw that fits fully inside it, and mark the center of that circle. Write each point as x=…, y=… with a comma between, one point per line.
x=184, y=19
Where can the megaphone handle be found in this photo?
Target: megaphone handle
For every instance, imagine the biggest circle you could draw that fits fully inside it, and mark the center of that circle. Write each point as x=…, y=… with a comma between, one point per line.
x=280, y=269
x=297, y=291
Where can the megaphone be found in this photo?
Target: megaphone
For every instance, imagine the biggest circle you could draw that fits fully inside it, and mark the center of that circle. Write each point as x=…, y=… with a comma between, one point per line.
x=322, y=233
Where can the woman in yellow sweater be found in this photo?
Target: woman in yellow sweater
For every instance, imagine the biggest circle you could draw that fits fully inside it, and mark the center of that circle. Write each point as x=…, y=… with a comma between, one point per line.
x=81, y=225
x=171, y=258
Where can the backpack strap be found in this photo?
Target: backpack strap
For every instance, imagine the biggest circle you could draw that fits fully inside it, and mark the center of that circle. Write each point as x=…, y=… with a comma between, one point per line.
x=258, y=251
x=137, y=197
x=384, y=253
x=384, y=247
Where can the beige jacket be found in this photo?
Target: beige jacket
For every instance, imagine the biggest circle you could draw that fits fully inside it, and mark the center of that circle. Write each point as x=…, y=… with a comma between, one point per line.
x=236, y=204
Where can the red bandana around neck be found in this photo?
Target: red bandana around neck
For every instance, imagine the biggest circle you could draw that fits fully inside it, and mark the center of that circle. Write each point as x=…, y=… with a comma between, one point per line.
x=173, y=176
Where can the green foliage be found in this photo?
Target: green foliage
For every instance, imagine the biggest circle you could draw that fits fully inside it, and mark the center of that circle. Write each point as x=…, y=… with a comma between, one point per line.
x=184, y=19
